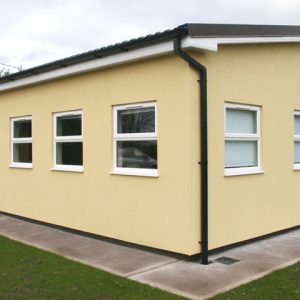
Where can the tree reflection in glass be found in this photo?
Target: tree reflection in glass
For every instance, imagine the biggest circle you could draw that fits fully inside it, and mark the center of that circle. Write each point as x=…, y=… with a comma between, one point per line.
x=136, y=120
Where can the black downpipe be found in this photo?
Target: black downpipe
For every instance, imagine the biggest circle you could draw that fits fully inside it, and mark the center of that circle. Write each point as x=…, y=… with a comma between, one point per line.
x=203, y=146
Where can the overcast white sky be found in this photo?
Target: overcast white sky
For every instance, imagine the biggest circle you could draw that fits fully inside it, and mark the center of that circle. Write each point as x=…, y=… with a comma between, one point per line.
x=34, y=32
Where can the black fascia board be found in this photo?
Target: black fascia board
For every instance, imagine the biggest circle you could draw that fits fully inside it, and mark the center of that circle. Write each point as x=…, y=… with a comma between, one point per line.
x=242, y=30
x=152, y=39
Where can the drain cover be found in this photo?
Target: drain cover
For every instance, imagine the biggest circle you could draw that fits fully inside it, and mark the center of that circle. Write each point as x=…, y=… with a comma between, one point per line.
x=226, y=260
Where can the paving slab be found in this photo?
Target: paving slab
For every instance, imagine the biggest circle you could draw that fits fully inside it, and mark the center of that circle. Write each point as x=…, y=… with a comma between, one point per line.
x=182, y=277
x=255, y=260
x=118, y=259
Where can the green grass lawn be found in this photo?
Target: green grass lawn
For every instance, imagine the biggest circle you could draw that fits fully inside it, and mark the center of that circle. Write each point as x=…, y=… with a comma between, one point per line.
x=283, y=284
x=29, y=273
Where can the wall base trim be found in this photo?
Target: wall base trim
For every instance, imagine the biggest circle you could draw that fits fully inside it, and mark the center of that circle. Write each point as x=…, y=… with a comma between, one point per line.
x=252, y=240
x=194, y=258
x=99, y=237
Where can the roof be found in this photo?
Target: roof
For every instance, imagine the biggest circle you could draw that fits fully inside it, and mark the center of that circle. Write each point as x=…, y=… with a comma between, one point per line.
x=235, y=30
x=100, y=52
x=192, y=30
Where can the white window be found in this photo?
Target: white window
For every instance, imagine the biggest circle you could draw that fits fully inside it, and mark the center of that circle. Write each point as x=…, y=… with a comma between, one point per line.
x=242, y=139
x=21, y=142
x=135, y=139
x=297, y=140
x=68, y=141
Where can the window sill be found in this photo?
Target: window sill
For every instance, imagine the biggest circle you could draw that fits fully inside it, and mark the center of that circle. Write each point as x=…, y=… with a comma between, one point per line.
x=135, y=172
x=242, y=171
x=296, y=167
x=21, y=166
x=65, y=168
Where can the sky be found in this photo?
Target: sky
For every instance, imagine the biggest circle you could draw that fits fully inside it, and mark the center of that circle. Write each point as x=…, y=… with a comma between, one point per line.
x=34, y=32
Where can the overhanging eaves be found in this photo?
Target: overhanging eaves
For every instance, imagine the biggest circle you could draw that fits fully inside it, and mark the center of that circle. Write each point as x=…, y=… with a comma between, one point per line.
x=166, y=47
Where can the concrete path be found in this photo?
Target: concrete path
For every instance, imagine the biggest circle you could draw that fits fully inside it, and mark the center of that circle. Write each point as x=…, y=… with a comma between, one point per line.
x=181, y=277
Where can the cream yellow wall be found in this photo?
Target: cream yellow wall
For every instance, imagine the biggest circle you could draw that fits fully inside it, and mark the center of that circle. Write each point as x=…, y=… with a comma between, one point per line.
x=244, y=207
x=162, y=212
x=158, y=212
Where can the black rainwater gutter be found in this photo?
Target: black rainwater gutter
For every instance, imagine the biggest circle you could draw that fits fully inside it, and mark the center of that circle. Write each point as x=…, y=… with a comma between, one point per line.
x=203, y=145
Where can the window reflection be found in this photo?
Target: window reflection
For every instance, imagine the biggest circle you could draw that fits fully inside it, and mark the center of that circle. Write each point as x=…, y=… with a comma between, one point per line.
x=137, y=154
x=136, y=120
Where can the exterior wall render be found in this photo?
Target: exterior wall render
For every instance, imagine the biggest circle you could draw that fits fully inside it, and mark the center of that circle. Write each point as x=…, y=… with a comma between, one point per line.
x=158, y=212
x=163, y=212
x=248, y=206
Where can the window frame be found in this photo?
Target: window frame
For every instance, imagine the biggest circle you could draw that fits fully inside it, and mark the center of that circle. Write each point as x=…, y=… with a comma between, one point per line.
x=296, y=139
x=244, y=137
x=66, y=139
x=14, y=140
x=131, y=137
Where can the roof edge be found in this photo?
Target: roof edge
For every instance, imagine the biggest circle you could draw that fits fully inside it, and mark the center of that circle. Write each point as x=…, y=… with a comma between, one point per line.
x=190, y=30
x=241, y=30
x=125, y=46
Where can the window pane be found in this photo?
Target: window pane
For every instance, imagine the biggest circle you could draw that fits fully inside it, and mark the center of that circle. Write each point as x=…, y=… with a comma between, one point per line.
x=297, y=152
x=136, y=120
x=22, y=153
x=297, y=125
x=69, y=153
x=22, y=129
x=240, y=154
x=240, y=121
x=68, y=125
x=137, y=154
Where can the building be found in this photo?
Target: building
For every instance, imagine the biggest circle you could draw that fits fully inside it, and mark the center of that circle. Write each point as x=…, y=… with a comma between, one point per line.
x=112, y=141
